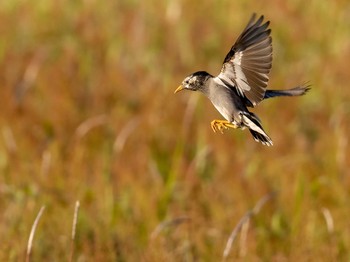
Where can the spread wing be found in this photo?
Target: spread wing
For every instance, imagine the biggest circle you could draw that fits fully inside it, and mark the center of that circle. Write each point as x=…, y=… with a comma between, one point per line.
x=247, y=65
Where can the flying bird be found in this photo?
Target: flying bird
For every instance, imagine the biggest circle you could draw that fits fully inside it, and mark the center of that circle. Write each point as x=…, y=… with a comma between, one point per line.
x=242, y=82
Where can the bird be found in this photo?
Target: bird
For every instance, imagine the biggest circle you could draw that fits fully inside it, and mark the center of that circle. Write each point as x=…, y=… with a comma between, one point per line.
x=242, y=81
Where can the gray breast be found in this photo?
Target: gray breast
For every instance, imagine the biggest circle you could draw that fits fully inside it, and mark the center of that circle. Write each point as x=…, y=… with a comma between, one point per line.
x=224, y=100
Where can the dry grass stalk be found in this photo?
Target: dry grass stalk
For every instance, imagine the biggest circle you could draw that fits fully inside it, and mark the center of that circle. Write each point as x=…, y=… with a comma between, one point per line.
x=89, y=124
x=244, y=220
x=32, y=232
x=74, y=227
x=30, y=75
x=243, y=240
x=9, y=139
x=124, y=134
x=167, y=224
x=329, y=219
x=46, y=162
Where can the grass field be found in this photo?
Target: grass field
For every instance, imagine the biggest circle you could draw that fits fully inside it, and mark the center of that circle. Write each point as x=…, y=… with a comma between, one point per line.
x=88, y=114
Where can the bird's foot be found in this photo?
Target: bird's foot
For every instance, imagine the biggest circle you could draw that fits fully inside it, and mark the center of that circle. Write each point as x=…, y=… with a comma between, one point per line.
x=220, y=125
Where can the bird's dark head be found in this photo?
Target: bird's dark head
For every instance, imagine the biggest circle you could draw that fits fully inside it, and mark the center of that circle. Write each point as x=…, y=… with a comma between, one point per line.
x=194, y=82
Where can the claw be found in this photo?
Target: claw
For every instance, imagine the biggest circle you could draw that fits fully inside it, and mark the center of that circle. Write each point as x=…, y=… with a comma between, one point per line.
x=213, y=126
x=220, y=125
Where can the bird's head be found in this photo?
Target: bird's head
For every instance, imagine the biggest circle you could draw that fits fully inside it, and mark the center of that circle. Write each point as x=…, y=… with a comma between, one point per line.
x=194, y=82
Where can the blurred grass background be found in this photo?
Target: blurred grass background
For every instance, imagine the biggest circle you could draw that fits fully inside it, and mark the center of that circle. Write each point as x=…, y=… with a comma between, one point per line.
x=88, y=113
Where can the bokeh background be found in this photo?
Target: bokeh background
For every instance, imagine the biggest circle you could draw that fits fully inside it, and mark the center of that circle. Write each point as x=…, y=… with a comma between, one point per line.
x=88, y=114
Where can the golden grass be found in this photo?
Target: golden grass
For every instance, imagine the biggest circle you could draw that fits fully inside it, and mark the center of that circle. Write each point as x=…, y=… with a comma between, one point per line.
x=88, y=113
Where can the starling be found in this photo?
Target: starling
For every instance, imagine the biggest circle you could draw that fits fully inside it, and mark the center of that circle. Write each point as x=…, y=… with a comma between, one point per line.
x=242, y=81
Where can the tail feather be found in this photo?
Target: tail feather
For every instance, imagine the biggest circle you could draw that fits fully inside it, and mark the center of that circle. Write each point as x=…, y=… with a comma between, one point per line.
x=252, y=122
x=296, y=91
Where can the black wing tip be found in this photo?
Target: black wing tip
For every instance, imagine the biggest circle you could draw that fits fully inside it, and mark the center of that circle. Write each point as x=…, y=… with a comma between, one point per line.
x=252, y=18
x=255, y=28
x=254, y=15
x=258, y=20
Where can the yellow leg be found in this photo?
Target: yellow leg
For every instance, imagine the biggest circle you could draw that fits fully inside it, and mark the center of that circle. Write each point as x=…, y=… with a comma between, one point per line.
x=220, y=125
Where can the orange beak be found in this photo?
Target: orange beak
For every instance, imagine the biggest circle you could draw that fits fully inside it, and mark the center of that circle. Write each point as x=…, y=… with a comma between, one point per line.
x=179, y=89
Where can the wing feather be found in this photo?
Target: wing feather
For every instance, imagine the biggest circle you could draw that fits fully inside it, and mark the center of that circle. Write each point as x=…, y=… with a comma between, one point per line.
x=248, y=63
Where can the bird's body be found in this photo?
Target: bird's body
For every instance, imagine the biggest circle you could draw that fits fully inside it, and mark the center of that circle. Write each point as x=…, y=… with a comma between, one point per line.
x=225, y=100
x=242, y=81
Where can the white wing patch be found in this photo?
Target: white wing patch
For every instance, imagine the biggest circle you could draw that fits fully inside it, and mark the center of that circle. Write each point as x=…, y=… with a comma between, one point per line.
x=242, y=82
x=238, y=58
x=234, y=75
x=247, y=65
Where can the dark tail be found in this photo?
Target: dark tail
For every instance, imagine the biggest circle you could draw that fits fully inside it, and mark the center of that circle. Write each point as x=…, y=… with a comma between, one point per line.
x=296, y=91
x=251, y=121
